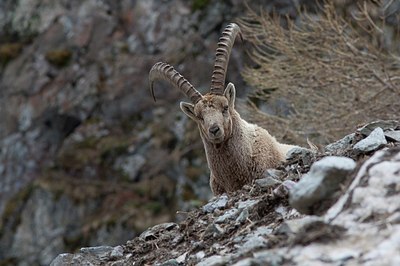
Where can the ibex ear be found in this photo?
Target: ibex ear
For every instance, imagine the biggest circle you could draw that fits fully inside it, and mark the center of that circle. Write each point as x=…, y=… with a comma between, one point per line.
x=188, y=109
x=230, y=94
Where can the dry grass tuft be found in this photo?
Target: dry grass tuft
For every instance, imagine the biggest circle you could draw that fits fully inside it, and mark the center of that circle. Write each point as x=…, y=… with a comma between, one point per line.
x=320, y=77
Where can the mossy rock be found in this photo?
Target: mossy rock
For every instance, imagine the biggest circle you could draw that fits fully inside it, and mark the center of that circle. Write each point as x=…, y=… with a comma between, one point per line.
x=154, y=207
x=77, y=190
x=87, y=143
x=9, y=51
x=133, y=122
x=188, y=193
x=11, y=214
x=164, y=137
x=199, y=4
x=77, y=158
x=59, y=57
x=193, y=173
x=8, y=262
x=93, y=151
x=113, y=145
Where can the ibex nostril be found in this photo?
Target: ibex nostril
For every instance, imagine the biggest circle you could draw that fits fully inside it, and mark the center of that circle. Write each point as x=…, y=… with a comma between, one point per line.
x=214, y=130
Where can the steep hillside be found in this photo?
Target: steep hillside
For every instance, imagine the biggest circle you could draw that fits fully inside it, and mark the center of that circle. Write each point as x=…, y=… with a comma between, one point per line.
x=340, y=207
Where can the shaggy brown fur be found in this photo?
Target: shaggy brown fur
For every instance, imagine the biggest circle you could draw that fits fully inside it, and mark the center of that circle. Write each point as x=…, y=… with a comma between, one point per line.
x=241, y=151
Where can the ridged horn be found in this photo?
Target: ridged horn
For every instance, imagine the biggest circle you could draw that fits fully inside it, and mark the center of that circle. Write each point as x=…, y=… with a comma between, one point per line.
x=224, y=49
x=164, y=71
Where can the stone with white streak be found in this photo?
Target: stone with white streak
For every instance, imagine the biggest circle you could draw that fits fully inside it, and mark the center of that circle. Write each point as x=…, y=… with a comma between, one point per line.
x=320, y=183
x=374, y=141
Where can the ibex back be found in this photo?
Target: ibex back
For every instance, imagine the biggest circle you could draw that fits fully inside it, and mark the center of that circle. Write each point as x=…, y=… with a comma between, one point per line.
x=237, y=151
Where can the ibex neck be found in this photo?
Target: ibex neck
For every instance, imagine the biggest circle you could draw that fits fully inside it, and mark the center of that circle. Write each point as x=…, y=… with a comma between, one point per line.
x=230, y=161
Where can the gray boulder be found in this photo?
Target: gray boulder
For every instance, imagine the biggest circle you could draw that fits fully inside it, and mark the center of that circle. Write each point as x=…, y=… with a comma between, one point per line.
x=267, y=183
x=317, y=188
x=216, y=203
x=298, y=154
x=294, y=226
x=374, y=141
x=341, y=144
x=383, y=124
x=214, y=261
x=62, y=259
x=393, y=135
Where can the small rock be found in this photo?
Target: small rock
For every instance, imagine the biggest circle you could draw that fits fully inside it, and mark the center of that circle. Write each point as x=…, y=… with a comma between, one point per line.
x=374, y=141
x=247, y=262
x=294, y=226
x=298, y=154
x=310, y=229
x=248, y=204
x=130, y=165
x=200, y=255
x=229, y=215
x=386, y=252
x=215, y=260
x=246, y=187
x=171, y=262
x=274, y=173
x=62, y=259
x=252, y=243
x=283, y=211
x=148, y=235
x=182, y=258
x=101, y=252
x=343, y=254
x=117, y=252
x=218, y=203
x=118, y=263
x=213, y=230
x=383, y=124
x=283, y=190
x=341, y=144
x=177, y=239
x=152, y=232
x=393, y=135
x=238, y=240
x=394, y=218
x=320, y=183
x=266, y=183
x=243, y=216
x=262, y=231
x=269, y=258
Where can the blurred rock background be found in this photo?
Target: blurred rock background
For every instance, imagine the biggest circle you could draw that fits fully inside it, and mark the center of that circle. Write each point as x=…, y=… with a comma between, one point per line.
x=86, y=157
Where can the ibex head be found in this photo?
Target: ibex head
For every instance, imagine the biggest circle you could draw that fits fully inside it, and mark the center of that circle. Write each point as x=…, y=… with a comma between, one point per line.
x=212, y=111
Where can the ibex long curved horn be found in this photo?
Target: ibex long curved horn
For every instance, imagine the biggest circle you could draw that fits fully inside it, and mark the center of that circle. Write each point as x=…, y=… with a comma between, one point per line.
x=224, y=48
x=166, y=72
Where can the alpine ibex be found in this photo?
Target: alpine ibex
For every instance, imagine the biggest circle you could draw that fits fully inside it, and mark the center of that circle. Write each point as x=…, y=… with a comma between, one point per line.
x=237, y=152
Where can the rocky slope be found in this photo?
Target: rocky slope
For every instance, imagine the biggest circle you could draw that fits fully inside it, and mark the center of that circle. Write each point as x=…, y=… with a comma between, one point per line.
x=339, y=207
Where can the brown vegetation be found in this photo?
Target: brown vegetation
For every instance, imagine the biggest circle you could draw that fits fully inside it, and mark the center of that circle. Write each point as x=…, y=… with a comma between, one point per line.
x=321, y=75
x=9, y=51
x=59, y=57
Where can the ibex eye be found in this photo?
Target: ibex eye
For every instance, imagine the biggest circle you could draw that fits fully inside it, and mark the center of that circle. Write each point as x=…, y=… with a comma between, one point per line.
x=225, y=109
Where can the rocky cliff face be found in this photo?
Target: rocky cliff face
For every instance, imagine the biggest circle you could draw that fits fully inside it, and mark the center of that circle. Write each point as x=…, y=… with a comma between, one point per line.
x=340, y=207
x=86, y=156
